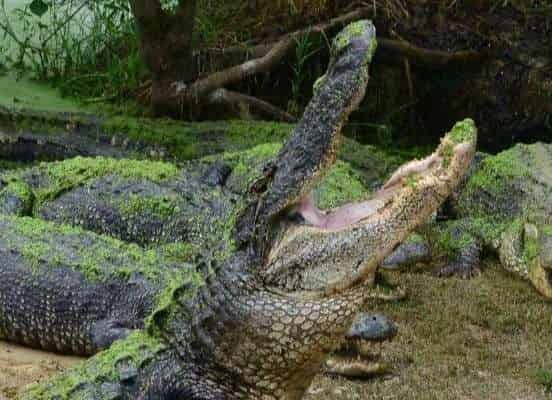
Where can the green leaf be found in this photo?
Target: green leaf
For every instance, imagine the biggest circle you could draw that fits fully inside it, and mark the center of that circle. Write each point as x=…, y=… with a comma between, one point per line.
x=38, y=7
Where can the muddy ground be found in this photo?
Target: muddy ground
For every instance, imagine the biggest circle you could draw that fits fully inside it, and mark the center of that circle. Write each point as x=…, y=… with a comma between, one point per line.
x=486, y=338
x=20, y=366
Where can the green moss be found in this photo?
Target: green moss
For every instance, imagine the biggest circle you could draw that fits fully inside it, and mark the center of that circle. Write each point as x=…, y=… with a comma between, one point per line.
x=67, y=174
x=25, y=93
x=97, y=257
x=193, y=140
x=247, y=164
x=177, y=252
x=135, y=352
x=341, y=185
x=178, y=289
x=6, y=165
x=372, y=163
x=22, y=192
x=546, y=229
x=463, y=132
x=495, y=179
x=415, y=238
x=162, y=208
x=351, y=31
x=531, y=246
x=450, y=243
x=496, y=170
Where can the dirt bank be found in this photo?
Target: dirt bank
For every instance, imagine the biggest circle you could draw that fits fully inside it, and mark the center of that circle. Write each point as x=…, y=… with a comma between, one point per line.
x=20, y=366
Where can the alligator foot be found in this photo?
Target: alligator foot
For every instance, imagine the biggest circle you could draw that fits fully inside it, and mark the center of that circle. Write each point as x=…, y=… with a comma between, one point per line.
x=408, y=254
x=466, y=265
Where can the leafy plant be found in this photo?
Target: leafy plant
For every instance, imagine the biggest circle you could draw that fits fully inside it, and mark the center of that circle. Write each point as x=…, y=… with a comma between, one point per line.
x=305, y=48
x=87, y=48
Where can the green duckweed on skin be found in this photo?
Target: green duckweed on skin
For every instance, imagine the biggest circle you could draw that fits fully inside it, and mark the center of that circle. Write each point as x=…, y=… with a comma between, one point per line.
x=65, y=175
x=132, y=352
x=462, y=132
x=494, y=178
x=341, y=185
x=186, y=141
x=161, y=208
x=22, y=192
x=100, y=259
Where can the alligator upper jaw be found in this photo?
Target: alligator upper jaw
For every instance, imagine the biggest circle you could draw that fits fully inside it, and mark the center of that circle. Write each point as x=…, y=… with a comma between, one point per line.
x=338, y=249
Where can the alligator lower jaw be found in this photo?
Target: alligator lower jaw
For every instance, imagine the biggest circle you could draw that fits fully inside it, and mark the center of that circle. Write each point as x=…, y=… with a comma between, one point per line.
x=358, y=359
x=541, y=278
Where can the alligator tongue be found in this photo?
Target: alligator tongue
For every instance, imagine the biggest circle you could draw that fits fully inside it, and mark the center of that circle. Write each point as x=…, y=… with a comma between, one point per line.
x=344, y=216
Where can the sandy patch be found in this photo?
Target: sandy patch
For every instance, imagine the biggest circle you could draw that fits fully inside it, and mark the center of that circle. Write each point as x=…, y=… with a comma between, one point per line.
x=20, y=366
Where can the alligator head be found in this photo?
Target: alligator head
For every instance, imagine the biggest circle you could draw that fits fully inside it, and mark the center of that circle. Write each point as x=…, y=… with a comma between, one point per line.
x=283, y=302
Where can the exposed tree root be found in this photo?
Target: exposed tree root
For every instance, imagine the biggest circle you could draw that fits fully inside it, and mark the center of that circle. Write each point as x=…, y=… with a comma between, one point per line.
x=399, y=50
x=193, y=96
x=244, y=105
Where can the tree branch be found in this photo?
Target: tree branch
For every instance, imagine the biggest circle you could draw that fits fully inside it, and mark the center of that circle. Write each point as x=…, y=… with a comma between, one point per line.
x=239, y=100
x=399, y=50
x=276, y=53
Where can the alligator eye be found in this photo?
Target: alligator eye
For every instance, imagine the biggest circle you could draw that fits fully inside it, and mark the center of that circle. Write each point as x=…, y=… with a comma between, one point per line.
x=296, y=217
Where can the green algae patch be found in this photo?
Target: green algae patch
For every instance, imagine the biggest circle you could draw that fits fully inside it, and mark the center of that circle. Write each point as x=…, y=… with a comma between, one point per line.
x=373, y=164
x=10, y=165
x=531, y=245
x=247, y=165
x=98, y=258
x=24, y=93
x=68, y=174
x=351, y=31
x=341, y=185
x=496, y=179
x=185, y=140
x=158, y=207
x=179, y=288
x=130, y=354
x=179, y=252
x=20, y=193
x=463, y=132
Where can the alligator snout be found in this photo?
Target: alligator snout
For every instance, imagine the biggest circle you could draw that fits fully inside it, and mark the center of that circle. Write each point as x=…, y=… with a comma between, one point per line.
x=360, y=353
x=372, y=327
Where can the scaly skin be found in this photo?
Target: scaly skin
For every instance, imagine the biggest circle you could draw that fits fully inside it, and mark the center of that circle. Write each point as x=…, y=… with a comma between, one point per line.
x=503, y=207
x=219, y=330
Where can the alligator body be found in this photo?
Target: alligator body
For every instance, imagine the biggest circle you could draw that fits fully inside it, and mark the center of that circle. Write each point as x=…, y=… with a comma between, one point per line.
x=224, y=326
x=503, y=207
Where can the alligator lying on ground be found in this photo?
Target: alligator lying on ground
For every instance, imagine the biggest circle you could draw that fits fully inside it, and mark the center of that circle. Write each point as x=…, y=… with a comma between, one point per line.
x=225, y=327
x=504, y=206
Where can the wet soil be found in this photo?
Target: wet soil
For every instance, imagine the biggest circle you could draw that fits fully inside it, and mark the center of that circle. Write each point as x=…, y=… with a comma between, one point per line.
x=20, y=366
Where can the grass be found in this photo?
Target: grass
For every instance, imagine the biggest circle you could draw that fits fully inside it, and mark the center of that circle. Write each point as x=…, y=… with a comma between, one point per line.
x=485, y=338
x=29, y=94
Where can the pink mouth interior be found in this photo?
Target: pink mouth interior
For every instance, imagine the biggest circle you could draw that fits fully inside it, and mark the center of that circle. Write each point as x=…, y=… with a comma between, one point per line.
x=352, y=213
x=344, y=216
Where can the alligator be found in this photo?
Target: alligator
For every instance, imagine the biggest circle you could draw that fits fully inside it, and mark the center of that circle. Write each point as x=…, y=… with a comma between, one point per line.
x=504, y=207
x=224, y=326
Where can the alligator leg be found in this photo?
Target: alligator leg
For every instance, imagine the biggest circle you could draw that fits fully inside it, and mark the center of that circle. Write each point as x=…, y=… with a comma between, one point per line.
x=466, y=263
x=407, y=254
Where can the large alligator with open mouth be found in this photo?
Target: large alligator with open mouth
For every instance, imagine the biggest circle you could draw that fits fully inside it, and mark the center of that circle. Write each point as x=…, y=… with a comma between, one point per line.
x=257, y=316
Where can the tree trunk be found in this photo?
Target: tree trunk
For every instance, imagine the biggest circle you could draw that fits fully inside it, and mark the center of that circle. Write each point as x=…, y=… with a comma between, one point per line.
x=166, y=48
